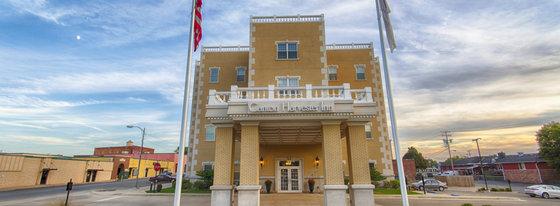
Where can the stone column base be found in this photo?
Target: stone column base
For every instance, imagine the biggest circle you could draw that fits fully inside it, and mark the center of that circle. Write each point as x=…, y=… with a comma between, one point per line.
x=248, y=195
x=362, y=194
x=335, y=195
x=221, y=195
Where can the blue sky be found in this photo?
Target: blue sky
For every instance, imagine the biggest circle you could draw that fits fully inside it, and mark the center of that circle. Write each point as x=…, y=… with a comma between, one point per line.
x=74, y=73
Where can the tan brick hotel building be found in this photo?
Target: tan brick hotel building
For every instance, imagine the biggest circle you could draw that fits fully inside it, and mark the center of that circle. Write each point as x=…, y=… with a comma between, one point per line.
x=289, y=108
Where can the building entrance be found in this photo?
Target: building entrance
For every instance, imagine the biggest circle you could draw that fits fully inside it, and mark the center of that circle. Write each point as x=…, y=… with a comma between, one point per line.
x=288, y=176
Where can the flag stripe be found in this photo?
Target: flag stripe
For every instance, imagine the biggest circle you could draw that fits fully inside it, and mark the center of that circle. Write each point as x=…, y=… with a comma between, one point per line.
x=385, y=10
x=197, y=24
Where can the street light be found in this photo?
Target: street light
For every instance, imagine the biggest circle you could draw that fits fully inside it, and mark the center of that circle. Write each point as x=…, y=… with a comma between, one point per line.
x=480, y=161
x=141, y=150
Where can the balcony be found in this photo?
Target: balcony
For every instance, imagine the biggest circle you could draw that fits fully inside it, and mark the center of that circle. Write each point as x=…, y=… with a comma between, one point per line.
x=276, y=103
x=307, y=93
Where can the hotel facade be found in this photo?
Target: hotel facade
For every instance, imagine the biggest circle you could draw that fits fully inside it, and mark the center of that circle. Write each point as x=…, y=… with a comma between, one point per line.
x=287, y=109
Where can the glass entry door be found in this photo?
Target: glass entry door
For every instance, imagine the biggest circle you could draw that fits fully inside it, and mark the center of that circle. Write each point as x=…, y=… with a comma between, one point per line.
x=288, y=175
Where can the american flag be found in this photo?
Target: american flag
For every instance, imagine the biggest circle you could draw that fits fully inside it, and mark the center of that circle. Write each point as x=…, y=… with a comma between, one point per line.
x=197, y=23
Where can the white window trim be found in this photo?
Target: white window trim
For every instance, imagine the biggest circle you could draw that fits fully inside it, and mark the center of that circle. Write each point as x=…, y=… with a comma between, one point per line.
x=286, y=41
x=244, y=75
x=206, y=132
x=280, y=77
x=356, y=72
x=370, y=130
x=336, y=69
x=207, y=163
x=210, y=75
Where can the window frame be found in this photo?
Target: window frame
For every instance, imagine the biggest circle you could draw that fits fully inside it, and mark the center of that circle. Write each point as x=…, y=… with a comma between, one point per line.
x=206, y=138
x=370, y=125
x=237, y=73
x=287, y=51
x=335, y=68
x=358, y=66
x=217, y=75
x=208, y=163
x=288, y=91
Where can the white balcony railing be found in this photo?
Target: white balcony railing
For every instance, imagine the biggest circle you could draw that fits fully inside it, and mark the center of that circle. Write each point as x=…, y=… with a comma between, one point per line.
x=287, y=19
x=308, y=92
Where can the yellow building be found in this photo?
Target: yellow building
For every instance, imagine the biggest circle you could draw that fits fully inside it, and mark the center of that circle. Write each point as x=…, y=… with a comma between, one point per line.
x=289, y=108
x=25, y=170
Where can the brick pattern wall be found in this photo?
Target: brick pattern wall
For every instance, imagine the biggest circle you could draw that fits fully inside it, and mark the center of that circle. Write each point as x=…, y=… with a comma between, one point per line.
x=333, y=154
x=223, y=156
x=409, y=169
x=524, y=176
x=358, y=155
x=249, y=167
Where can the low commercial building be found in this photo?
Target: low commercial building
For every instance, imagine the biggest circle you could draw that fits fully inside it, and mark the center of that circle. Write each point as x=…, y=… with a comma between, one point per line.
x=25, y=170
x=527, y=168
x=409, y=169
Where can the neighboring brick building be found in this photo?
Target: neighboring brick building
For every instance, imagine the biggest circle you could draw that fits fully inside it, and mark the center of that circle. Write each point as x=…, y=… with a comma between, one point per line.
x=527, y=168
x=130, y=148
x=409, y=169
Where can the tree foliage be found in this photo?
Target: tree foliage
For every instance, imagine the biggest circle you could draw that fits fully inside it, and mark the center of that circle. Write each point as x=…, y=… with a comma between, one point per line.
x=419, y=160
x=376, y=175
x=455, y=158
x=549, y=144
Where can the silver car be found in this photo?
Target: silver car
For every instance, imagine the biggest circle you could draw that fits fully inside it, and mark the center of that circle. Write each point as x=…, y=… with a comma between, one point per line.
x=431, y=184
x=544, y=191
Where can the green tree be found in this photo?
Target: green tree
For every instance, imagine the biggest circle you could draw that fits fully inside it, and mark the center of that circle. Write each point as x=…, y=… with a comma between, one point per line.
x=431, y=163
x=376, y=175
x=455, y=158
x=419, y=160
x=549, y=144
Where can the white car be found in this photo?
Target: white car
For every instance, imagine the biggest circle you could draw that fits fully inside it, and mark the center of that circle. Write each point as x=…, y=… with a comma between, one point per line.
x=545, y=191
x=449, y=173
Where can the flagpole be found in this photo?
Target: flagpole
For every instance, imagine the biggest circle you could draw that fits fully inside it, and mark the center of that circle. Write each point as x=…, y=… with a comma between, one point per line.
x=404, y=194
x=185, y=123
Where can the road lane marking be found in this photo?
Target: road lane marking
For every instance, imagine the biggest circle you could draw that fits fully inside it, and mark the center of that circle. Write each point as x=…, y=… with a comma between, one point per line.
x=109, y=198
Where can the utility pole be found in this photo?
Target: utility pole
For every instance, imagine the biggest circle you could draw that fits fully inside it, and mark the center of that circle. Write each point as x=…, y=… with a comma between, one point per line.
x=480, y=161
x=141, y=150
x=447, y=142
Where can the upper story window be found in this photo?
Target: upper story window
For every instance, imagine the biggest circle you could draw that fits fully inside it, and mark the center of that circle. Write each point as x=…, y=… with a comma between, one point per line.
x=332, y=71
x=214, y=74
x=288, y=82
x=360, y=72
x=368, y=130
x=287, y=50
x=210, y=132
x=240, y=74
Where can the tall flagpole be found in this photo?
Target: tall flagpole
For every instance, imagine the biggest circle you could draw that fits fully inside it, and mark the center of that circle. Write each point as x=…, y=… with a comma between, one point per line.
x=185, y=123
x=404, y=193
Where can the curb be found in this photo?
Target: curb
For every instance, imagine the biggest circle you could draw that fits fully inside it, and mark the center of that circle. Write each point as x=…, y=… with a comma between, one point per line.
x=451, y=197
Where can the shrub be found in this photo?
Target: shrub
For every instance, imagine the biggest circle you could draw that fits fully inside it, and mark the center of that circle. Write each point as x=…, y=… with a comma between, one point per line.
x=482, y=189
x=467, y=204
x=394, y=184
x=508, y=189
x=376, y=175
x=201, y=185
x=207, y=177
x=493, y=189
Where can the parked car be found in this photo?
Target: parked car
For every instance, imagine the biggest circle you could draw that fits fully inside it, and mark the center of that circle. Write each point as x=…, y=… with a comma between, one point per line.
x=162, y=178
x=449, y=173
x=544, y=191
x=431, y=184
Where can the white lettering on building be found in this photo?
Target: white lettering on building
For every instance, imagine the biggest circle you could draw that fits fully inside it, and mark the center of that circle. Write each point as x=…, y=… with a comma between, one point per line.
x=291, y=106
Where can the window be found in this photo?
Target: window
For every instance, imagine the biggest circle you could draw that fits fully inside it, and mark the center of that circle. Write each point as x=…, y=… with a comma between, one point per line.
x=332, y=71
x=368, y=130
x=214, y=74
x=240, y=74
x=210, y=132
x=288, y=82
x=521, y=166
x=360, y=72
x=207, y=166
x=287, y=50
x=371, y=166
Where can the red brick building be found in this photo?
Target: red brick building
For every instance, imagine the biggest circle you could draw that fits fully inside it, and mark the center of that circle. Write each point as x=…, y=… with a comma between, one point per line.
x=129, y=149
x=527, y=168
x=409, y=169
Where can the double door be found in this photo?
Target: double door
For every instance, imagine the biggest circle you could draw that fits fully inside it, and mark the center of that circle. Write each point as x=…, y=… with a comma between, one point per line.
x=289, y=177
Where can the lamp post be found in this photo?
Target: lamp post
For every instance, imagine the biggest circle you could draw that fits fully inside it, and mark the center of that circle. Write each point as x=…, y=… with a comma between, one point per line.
x=141, y=149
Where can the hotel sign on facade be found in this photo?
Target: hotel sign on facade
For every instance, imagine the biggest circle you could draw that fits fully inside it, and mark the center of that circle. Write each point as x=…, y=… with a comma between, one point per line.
x=291, y=106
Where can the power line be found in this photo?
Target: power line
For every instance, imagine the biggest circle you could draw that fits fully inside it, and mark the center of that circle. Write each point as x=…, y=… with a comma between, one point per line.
x=447, y=143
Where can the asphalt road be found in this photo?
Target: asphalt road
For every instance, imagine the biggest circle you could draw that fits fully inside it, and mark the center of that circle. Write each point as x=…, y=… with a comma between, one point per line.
x=58, y=190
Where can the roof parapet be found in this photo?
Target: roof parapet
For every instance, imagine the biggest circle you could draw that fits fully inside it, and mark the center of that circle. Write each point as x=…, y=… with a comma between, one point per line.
x=349, y=46
x=225, y=49
x=287, y=19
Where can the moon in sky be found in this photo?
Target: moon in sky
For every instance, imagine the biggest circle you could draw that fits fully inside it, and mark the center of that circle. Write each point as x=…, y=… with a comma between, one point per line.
x=78, y=37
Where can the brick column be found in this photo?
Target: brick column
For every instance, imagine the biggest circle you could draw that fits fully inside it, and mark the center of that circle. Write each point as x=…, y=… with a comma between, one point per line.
x=335, y=190
x=249, y=186
x=223, y=163
x=361, y=189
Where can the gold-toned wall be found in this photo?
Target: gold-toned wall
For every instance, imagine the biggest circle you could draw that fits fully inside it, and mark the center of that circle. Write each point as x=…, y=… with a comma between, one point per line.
x=149, y=164
x=62, y=171
x=310, y=52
